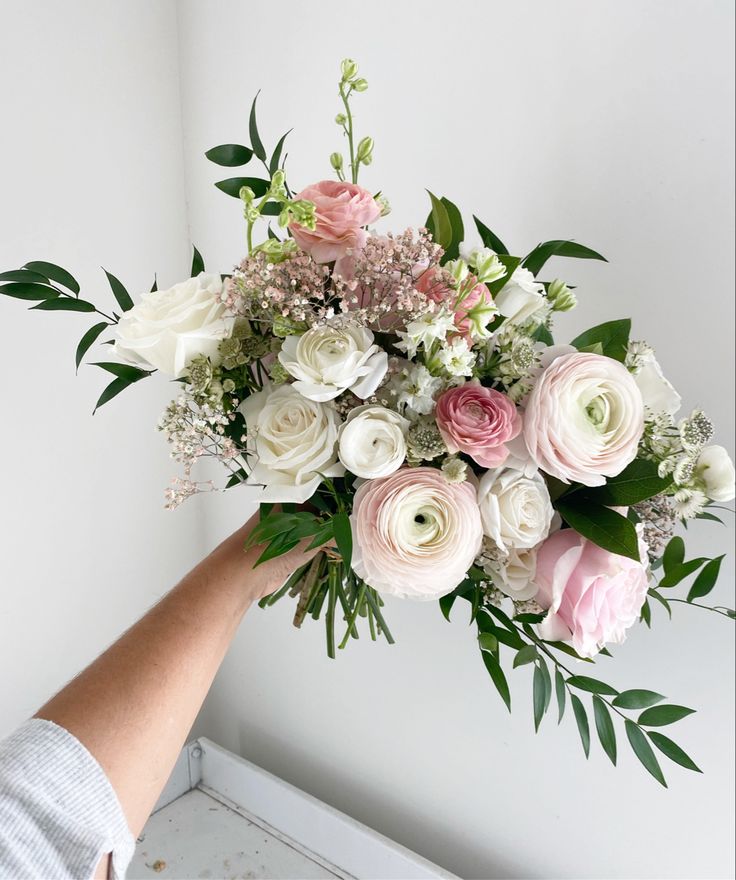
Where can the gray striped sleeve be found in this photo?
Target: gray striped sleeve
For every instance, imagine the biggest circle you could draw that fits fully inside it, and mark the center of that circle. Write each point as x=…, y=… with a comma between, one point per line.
x=58, y=812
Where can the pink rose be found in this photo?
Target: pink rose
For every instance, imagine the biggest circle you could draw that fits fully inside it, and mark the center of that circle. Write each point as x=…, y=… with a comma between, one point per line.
x=341, y=209
x=478, y=300
x=479, y=421
x=414, y=534
x=593, y=596
x=584, y=418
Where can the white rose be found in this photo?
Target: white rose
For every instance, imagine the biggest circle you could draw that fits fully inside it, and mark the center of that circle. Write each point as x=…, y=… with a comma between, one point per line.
x=328, y=360
x=371, y=441
x=293, y=440
x=716, y=470
x=168, y=328
x=657, y=392
x=516, y=510
x=514, y=573
x=521, y=297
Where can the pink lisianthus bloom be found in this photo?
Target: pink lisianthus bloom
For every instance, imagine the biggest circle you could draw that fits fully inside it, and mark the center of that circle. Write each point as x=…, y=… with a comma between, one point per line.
x=478, y=421
x=593, y=596
x=342, y=209
x=473, y=313
x=415, y=534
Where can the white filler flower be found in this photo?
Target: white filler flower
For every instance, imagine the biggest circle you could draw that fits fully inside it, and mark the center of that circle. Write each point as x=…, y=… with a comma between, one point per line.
x=516, y=510
x=371, y=442
x=716, y=470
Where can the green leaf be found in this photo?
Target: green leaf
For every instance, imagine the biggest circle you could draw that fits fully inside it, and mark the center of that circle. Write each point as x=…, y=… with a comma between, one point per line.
x=535, y=260
x=547, y=682
x=643, y=751
x=600, y=524
x=123, y=371
x=441, y=225
x=592, y=685
x=489, y=239
x=271, y=209
x=604, y=726
x=255, y=138
x=119, y=292
x=709, y=516
x=637, y=699
x=452, y=252
x=646, y=613
x=280, y=545
x=561, y=692
x=24, y=276
x=544, y=334
x=658, y=716
x=539, y=697
x=154, y=286
x=706, y=580
x=661, y=599
x=674, y=553
x=343, y=537
x=65, y=304
x=115, y=387
x=673, y=751
x=197, y=262
x=230, y=155
x=446, y=603
x=497, y=676
x=488, y=642
x=233, y=185
x=636, y=482
x=613, y=337
x=275, y=523
x=54, y=273
x=276, y=155
x=678, y=573
x=581, y=720
x=528, y=654
x=29, y=291
x=87, y=340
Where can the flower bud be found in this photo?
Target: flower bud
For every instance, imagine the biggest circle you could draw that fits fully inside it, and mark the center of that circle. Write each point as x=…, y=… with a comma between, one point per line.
x=341, y=119
x=384, y=205
x=278, y=178
x=360, y=85
x=365, y=151
x=348, y=69
x=336, y=161
x=560, y=297
x=246, y=194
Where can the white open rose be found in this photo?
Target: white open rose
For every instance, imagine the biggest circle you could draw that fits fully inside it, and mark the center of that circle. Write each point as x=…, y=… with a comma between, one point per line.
x=168, y=328
x=371, y=442
x=521, y=297
x=657, y=391
x=716, y=470
x=325, y=361
x=515, y=509
x=292, y=440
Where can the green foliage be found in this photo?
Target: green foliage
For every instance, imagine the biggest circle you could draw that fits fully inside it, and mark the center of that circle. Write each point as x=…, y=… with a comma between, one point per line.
x=612, y=336
x=706, y=580
x=64, y=304
x=489, y=239
x=439, y=223
x=197, y=262
x=343, y=537
x=659, y=716
x=233, y=185
x=637, y=482
x=536, y=259
x=673, y=751
x=255, y=138
x=122, y=296
x=605, y=729
x=643, y=751
x=581, y=719
x=86, y=342
x=230, y=155
x=600, y=524
x=637, y=699
x=28, y=290
x=54, y=273
x=592, y=685
x=273, y=164
x=497, y=676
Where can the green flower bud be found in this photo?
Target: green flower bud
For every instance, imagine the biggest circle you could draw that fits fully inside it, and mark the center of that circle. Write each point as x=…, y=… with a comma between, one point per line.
x=336, y=161
x=278, y=179
x=365, y=151
x=228, y=386
x=246, y=194
x=560, y=297
x=341, y=119
x=360, y=85
x=349, y=69
x=384, y=205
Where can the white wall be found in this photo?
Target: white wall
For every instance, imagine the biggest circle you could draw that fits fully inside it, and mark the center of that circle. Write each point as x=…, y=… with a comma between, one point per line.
x=610, y=122
x=90, y=173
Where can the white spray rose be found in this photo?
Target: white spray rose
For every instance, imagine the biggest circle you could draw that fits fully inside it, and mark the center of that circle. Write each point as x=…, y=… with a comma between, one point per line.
x=293, y=441
x=513, y=573
x=371, y=441
x=716, y=470
x=325, y=361
x=168, y=328
x=521, y=297
x=516, y=510
x=656, y=390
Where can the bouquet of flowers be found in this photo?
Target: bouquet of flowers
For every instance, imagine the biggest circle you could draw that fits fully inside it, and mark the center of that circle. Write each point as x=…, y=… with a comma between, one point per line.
x=398, y=400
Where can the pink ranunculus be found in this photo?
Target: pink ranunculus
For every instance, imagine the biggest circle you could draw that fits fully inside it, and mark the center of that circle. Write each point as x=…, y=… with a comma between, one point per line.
x=342, y=210
x=584, y=418
x=593, y=596
x=478, y=421
x=415, y=535
x=434, y=287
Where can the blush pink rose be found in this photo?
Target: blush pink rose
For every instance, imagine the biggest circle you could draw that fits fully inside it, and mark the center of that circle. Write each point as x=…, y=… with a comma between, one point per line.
x=478, y=421
x=415, y=535
x=342, y=210
x=593, y=596
x=435, y=289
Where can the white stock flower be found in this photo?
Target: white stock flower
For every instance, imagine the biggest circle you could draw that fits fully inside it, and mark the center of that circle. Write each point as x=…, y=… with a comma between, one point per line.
x=716, y=470
x=425, y=330
x=168, y=328
x=521, y=297
x=293, y=439
x=657, y=392
x=516, y=510
x=457, y=358
x=417, y=389
x=327, y=360
x=371, y=442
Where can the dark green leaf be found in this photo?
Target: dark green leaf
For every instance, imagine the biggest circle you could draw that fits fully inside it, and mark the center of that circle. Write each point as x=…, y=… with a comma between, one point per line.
x=446, y=603
x=276, y=155
x=54, y=273
x=343, y=537
x=658, y=716
x=119, y=292
x=123, y=371
x=604, y=726
x=528, y=654
x=544, y=334
x=643, y=751
x=674, y=553
x=529, y=618
x=322, y=535
x=65, y=304
x=673, y=751
x=488, y=642
x=197, y=262
x=24, y=276
x=489, y=239
x=114, y=388
x=592, y=685
x=29, y=291
x=646, y=613
x=539, y=697
x=547, y=682
x=452, y=252
x=230, y=155
x=636, y=482
x=255, y=138
x=558, y=248
x=661, y=599
x=441, y=226
x=637, y=699
x=581, y=719
x=678, y=573
x=613, y=337
x=272, y=209
x=87, y=340
x=600, y=524
x=233, y=185
x=237, y=478
x=497, y=676
x=280, y=545
x=561, y=692
x=706, y=580
x=709, y=516
x=154, y=286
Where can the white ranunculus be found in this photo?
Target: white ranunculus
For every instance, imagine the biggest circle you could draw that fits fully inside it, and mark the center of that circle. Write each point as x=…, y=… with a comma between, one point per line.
x=293, y=440
x=656, y=390
x=327, y=360
x=521, y=297
x=371, y=441
x=716, y=470
x=168, y=328
x=514, y=573
x=515, y=509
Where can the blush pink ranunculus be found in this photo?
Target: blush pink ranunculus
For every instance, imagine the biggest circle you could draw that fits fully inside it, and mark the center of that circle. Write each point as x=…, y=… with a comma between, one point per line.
x=415, y=535
x=342, y=209
x=478, y=421
x=593, y=596
x=474, y=311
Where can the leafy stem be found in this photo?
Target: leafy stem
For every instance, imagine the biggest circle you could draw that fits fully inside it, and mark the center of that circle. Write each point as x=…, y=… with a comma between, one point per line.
x=345, y=90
